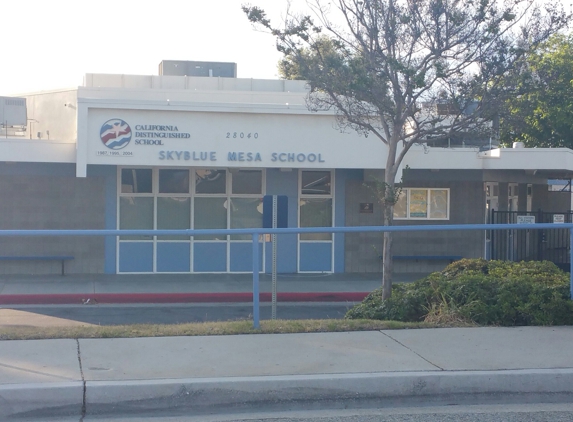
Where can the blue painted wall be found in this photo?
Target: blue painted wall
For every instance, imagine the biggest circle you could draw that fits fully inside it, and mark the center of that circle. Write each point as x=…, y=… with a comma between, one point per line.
x=340, y=178
x=110, y=174
x=284, y=183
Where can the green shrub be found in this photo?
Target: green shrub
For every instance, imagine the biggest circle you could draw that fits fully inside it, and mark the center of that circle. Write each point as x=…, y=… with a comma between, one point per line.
x=404, y=305
x=481, y=292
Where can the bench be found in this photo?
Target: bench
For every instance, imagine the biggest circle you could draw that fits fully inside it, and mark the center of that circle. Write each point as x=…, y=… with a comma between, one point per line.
x=63, y=259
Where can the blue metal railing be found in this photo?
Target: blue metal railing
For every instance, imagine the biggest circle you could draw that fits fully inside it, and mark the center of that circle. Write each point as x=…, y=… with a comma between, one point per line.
x=256, y=233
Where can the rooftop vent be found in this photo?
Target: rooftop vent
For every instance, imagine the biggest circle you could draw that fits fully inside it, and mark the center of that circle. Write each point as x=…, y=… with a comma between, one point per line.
x=12, y=111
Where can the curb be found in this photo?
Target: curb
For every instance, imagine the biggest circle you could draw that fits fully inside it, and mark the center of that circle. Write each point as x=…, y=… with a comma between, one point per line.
x=23, y=398
x=227, y=297
x=211, y=394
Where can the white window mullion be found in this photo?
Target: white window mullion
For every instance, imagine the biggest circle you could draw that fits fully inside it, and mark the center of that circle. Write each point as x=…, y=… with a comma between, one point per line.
x=228, y=187
x=155, y=191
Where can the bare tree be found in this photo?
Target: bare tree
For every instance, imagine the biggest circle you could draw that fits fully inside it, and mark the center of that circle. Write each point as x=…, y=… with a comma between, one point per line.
x=408, y=71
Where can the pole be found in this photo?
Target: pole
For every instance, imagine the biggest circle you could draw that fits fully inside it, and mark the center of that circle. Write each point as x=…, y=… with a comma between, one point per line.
x=255, y=280
x=274, y=275
x=571, y=262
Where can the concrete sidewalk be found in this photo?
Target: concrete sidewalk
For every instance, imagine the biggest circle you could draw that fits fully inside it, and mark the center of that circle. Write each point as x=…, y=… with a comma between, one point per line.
x=88, y=376
x=186, y=288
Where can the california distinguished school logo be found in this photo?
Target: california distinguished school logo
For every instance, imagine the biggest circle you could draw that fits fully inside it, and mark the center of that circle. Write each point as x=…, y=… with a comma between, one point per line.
x=115, y=134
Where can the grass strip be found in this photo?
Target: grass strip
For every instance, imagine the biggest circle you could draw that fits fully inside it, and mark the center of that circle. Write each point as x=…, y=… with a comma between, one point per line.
x=204, y=329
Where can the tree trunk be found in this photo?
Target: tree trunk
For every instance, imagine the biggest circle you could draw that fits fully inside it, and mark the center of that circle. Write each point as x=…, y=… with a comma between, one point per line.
x=388, y=208
x=387, y=263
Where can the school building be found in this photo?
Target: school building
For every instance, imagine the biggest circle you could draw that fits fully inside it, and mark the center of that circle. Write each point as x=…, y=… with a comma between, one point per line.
x=171, y=151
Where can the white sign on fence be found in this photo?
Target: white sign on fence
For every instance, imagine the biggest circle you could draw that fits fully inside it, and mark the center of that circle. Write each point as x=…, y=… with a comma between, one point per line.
x=525, y=219
x=559, y=218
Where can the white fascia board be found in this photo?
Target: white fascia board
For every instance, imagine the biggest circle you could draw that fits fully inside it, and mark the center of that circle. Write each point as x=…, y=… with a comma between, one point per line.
x=202, y=107
x=182, y=100
x=34, y=151
x=427, y=158
x=532, y=159
x=500, y=159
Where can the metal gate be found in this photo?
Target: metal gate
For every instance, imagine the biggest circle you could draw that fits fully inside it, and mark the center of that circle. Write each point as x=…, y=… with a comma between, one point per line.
x=530, y=245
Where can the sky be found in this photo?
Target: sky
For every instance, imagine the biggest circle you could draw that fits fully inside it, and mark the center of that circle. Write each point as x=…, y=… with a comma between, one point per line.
x=52, y=44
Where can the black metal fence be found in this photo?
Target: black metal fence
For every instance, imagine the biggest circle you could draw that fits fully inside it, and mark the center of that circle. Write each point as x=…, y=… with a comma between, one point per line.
x=531, y=245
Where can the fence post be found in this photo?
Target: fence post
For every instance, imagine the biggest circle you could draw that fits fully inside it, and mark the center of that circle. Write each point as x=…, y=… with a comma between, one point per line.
x=492, y=249
x=571, y=262
x=255, y=280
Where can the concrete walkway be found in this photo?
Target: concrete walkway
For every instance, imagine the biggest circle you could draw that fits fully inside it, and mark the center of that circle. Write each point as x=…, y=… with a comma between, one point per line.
x=186, y=288
x=87, y=376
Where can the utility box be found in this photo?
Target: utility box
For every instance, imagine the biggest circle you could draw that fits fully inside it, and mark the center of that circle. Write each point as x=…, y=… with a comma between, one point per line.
x=13, y=112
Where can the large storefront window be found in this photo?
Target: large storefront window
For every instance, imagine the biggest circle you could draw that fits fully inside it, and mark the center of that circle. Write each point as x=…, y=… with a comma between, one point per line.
x=169, y=199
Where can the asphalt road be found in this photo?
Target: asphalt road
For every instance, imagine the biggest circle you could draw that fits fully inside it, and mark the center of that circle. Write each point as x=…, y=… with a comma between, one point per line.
x=182, y=313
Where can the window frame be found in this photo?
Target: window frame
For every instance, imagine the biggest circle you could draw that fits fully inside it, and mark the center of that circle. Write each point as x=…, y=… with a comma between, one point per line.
x=428, y=205
x=191, y=194
x=302, y=196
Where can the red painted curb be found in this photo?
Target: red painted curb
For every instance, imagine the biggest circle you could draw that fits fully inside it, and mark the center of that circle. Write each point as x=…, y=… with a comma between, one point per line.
x=75, y=298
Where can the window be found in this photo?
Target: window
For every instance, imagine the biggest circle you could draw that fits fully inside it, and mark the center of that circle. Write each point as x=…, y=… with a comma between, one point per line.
x=173, y=181
x=173, y=214
x=559, y=185
x=246, y=213
x=247, y=182
x=180, y=198
x=422, y=204
x=315, y=183
x=315, y=204
x=136, y=213
x=136, y=202
x=210, y=181
x=228, y=200
x=136, y=181
x=210, y=213
x=246, y=201
x=210, y=204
